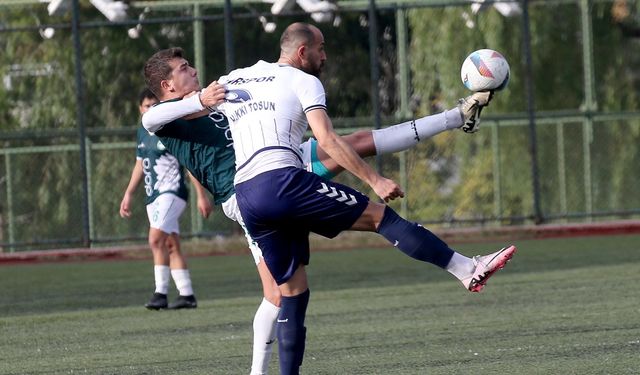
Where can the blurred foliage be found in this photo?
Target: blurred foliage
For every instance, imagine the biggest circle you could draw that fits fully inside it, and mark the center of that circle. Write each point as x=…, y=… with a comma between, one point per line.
x=441, y=40
x=451, y=177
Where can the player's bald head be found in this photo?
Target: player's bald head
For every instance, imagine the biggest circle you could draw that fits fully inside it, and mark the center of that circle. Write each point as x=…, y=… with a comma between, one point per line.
x=302, y=47
x=296, y=35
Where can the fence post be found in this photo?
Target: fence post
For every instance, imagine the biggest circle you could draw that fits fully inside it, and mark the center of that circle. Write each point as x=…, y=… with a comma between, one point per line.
x=562, y=169
x=375, y=71
x=589, y=100
x=92, y=232
x=533, y=142
x=10, y=215
x=497, y=172
x=228, y=36
x=75, y=30
x=403, y=93
x=198, y=43
x=199, y=53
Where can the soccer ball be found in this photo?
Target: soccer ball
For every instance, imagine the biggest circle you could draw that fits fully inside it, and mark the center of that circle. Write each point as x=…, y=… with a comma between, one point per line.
x=485, y=70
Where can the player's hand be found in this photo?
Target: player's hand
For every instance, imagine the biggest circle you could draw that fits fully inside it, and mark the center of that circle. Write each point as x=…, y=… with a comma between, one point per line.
x=387, y=189
x=212, y=95
x=205, y=207
x=125, y=207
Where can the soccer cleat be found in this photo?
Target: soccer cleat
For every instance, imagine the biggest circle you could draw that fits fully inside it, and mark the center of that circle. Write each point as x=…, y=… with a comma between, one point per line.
x=486, y=266
x=470, y=109
x=158, y=301
x=184, y=302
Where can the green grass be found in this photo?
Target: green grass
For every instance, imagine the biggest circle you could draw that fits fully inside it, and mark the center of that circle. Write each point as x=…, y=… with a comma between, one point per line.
x=568, y=306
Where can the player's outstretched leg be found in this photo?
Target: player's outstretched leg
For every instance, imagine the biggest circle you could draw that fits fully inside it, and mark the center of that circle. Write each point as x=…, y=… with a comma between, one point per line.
x=421, y=244
x=400, y=137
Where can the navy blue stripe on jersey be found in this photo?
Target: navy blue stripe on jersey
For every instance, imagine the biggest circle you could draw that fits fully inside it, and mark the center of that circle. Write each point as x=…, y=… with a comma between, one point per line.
x=315, y=106
x=267, y=149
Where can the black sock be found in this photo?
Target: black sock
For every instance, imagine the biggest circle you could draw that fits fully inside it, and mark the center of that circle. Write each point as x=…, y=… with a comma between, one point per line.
x=291, y=332
x=414, y=240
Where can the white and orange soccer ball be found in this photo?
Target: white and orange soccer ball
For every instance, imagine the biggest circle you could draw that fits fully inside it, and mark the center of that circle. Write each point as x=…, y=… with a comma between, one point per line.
x=485, y=70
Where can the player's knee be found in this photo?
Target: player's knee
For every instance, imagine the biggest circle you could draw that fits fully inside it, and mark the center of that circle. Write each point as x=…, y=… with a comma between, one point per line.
x=156, y=242
x=370, y=218
x=173, y=248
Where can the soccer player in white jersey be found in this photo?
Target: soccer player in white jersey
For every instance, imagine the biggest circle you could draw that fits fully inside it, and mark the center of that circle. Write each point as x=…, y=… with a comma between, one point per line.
x=269, y=106
x=166, y=198
x=202, y=144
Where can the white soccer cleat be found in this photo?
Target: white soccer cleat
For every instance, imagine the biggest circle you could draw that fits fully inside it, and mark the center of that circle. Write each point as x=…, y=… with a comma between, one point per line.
x=486, y=266
x=470, y=109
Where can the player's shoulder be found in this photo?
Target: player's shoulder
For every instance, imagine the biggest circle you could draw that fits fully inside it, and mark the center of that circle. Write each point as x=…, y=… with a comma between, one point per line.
x=257, y=68
x=142, y=132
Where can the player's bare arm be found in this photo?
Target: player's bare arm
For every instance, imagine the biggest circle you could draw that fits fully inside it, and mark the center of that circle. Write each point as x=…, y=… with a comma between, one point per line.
x=344, y=155
x=204, y=203
x=136, y=178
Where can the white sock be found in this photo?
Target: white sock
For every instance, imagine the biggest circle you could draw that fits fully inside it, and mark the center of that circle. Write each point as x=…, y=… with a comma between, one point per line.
x=406, y=135
x=460, y=266
x=162, y=274
x=264, y=335
x=183, y=282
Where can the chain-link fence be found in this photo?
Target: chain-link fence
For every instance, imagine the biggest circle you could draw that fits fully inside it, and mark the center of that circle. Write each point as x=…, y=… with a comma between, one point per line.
x=559, y=144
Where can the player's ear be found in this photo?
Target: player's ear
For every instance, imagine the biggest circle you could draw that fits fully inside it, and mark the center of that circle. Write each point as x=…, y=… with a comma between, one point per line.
x=302, y=52
x=166, y=85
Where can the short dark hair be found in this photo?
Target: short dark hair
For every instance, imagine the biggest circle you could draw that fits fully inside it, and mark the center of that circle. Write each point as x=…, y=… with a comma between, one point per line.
x=146, y=94
x=157, y=68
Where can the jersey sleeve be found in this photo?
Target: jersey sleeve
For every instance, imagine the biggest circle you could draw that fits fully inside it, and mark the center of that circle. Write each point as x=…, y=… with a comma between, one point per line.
x=163, y=113
x=311, y=93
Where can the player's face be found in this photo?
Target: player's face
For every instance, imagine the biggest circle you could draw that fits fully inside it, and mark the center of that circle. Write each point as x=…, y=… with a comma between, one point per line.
x=146, y=104
x=315, y=55
x=184, y=78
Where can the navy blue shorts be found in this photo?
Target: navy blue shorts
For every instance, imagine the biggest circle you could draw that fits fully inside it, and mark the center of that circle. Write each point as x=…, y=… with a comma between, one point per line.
x=282, y=206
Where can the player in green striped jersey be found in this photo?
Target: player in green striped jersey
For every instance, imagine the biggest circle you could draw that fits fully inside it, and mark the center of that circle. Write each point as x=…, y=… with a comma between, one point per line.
x=166, y=196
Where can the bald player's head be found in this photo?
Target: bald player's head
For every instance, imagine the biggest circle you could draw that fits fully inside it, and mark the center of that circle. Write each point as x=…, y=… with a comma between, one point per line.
x=302, y=46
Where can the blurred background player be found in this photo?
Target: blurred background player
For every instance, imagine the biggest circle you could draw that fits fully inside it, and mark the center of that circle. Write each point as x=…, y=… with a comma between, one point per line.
x=166, y=198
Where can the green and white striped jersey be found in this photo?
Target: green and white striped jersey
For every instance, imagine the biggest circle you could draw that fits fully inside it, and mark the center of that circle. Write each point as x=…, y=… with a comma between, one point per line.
x=161, y=170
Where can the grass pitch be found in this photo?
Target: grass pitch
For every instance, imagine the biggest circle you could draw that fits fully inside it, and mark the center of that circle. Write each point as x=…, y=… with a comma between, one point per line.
x=568, y=306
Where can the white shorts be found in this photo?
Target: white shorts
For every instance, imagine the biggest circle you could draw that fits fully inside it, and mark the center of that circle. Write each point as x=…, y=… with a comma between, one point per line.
x=165, y=211
x=232, y=211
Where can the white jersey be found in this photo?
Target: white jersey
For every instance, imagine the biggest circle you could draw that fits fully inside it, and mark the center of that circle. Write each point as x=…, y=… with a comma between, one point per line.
x=266, y=106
